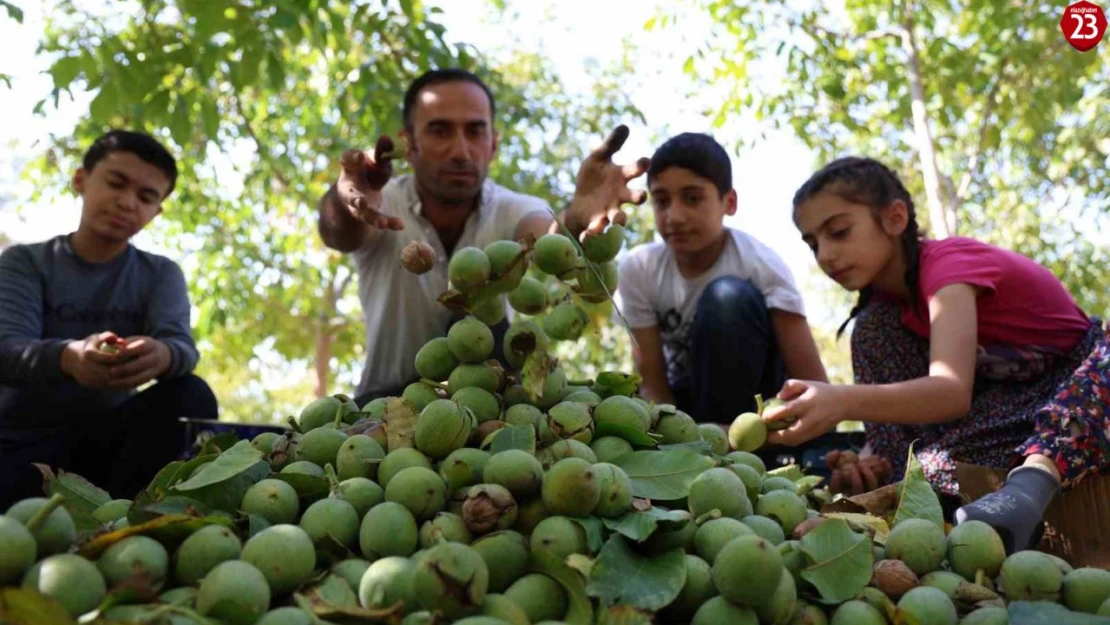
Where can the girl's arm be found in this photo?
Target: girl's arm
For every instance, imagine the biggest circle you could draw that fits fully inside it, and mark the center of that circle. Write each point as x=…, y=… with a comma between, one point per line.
x=943, y=395
x=796, y=344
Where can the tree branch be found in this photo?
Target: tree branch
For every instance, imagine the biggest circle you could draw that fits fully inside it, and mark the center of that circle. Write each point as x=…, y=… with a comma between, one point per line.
x=984, y=126
x=257, y=143
x=938, y=217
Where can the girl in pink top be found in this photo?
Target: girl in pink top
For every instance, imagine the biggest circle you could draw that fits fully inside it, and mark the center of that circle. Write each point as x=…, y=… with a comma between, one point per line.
x=977, y=353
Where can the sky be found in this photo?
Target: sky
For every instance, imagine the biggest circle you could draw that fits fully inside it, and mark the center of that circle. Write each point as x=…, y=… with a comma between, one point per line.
x=765, y=176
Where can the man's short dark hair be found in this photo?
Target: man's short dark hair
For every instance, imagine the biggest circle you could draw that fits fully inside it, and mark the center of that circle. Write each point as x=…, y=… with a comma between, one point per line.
x=140, y=144
x=698, y=152
x=438, y=77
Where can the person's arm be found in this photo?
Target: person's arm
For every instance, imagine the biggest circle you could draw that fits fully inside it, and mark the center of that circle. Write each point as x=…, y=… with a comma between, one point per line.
x=797, y=346
x=26, y=358
x=350, y=213
x=943, y=395
x=647, y=355
x=339, y=229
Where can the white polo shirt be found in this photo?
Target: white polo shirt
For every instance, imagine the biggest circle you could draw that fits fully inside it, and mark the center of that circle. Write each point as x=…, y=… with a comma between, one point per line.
x=399, y=308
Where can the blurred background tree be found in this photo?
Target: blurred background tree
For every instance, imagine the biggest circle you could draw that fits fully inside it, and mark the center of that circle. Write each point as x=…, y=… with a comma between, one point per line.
x=997, y=125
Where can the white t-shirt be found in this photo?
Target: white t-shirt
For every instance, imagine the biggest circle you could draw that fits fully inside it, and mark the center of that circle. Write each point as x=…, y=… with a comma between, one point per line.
x=652, y=292
x=399, y=308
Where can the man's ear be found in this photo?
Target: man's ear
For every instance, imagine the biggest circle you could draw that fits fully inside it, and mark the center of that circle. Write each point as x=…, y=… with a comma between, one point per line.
x=895, y=218
x=731, y=202
x=78, y=180
x=496, y=142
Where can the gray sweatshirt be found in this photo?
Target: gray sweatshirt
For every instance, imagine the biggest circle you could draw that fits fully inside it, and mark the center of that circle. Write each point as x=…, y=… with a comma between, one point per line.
x=50, y=296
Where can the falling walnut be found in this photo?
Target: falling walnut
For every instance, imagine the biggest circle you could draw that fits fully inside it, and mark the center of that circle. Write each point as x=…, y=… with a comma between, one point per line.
x=418, y=257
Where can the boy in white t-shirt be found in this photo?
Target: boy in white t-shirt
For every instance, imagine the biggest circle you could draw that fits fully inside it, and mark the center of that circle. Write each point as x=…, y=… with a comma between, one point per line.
x=715, y=312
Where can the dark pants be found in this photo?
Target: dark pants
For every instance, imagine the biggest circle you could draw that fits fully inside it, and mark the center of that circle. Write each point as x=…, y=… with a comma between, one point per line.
x=120, y=451
x=498, y=330
x=733, y=353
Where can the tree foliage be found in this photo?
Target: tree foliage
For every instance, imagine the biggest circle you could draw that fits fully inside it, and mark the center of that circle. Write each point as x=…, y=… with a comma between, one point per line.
x=998, y=126
x=258, y=100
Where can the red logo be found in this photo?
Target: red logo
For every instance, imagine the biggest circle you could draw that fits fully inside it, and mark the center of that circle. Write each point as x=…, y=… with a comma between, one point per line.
x=1083, y=24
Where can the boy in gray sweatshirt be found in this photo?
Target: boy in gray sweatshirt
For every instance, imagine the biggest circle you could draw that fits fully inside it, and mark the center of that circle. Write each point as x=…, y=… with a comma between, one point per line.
x=85, y=320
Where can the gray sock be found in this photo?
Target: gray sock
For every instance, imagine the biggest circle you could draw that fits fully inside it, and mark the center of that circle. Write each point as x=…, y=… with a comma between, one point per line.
x=1016, y=510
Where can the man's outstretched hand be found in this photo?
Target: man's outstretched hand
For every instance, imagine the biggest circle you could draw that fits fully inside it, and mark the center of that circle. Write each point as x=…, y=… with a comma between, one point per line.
x=360, y=183
x=602, y=187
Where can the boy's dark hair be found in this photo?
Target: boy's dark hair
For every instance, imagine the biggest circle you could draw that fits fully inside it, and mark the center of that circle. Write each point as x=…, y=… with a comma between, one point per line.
x=868, y=182
x=140, y=144
x=698, y=152
x=434, y=77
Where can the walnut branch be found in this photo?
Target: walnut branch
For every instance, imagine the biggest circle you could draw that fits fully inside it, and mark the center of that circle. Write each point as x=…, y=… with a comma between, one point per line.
x=257, y=142
x=984, y=127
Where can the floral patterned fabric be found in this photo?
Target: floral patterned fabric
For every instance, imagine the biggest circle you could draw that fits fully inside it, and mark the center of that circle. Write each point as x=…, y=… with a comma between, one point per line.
x=1024, y=401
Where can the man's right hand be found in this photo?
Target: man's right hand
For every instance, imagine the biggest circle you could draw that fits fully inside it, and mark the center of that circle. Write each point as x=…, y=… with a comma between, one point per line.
x=87, y=363
x=359, y=188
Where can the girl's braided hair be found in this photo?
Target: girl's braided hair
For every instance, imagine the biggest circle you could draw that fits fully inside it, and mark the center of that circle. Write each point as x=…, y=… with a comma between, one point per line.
x=868, y=182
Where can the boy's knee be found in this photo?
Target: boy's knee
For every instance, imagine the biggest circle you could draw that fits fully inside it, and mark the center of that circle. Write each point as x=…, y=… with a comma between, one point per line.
x=192, y=394
x=730, y=300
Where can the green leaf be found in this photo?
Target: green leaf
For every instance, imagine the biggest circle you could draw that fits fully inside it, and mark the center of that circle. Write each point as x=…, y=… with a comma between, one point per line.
x=916, y=497
x=513, y=437
x=665, y=475
x=595, y=531
x=169, y=528
x=579, y=611
x=638, y=526
x=185, y=470
x=178, y=505
x=23, y=606
x=226, y=495
x=210, y=114
x=105, y=105
x=64, y=70
x=275, y=72
x=158, y=104
x=219, y=443
x=14, y=12
x=842, y=560
x=1031, y=613
x=256, y=523
x=333, y=590
x=627, y=432
x=620, y=575
x=181, y=126
x=875, y=526
x=231, y=463
x=701, y=446
x=81, y=497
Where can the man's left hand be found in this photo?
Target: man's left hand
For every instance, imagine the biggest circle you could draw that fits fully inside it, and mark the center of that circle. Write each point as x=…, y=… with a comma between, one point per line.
x=602, y=187
x=817, y=407
x=145, y=359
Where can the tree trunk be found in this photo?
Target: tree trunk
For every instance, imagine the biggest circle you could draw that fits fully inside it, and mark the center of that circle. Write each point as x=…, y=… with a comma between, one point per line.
x=942, y=226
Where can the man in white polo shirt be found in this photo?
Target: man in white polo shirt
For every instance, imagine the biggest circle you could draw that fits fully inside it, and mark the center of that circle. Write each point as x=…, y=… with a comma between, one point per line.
x=449, y=203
